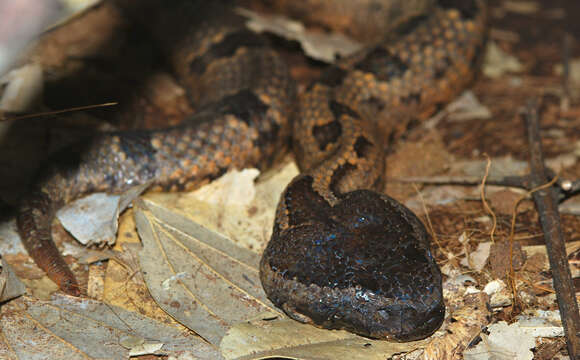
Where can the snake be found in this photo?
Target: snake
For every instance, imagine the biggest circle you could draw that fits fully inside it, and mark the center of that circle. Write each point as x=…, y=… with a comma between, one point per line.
x=342, y=254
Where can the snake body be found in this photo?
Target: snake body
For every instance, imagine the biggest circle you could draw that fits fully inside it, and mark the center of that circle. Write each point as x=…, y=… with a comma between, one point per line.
x=342, y=255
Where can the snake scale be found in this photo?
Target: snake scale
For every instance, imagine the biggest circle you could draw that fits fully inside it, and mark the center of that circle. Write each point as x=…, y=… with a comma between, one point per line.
x=342, y=255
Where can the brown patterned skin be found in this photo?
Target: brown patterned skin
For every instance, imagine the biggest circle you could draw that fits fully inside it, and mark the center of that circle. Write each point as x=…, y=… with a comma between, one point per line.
x=341, y=255
x=245, y=96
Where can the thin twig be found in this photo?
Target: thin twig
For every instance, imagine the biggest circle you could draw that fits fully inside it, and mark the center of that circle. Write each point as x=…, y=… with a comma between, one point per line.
x=511, y=181
x=564, y=188
x=56, y=112
x=547, y=206
x=484, y=202
x=429, y=223
x=537, y=287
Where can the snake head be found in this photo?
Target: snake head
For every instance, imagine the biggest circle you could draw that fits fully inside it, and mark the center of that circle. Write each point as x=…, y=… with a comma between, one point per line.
x=364, y=266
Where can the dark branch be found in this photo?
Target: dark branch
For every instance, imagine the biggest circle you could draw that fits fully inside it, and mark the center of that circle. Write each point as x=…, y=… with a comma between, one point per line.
x=547, y=204
x=564, y=188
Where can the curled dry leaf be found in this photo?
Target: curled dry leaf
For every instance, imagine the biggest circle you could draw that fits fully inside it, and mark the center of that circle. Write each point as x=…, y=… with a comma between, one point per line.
x=500, y=295
x=324, y=47
x=34, y=329
x=94, y=218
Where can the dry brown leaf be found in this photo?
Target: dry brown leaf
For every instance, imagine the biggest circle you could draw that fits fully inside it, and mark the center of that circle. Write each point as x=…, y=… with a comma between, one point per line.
x=477, y=259
x=123, y=284
x=21, y=88
x=505, y=341
x=531, y=250
x=469, y=315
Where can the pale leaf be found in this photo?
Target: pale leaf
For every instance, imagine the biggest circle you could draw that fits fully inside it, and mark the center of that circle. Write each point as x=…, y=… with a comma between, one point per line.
x=10, y=285
x=75, y=328
x=503, y=342
x=291, y=339
x=197, y=276
x=497, y=62
x=324, y=47
x=94, y=218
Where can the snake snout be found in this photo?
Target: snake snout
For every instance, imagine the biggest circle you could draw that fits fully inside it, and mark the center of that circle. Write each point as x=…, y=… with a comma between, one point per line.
x=407, y=323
